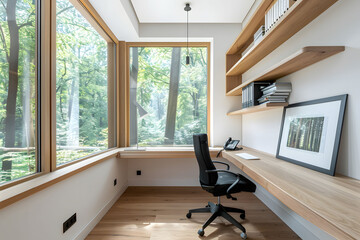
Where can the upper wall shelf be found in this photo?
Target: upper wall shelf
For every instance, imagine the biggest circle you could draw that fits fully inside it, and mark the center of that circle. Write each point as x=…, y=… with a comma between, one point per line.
x=299, y=60
x=297, y=17
x=257, y=19
x=258, y=108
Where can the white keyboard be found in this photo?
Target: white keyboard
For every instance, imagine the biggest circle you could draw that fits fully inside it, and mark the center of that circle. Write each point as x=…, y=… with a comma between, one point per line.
x=247, y=156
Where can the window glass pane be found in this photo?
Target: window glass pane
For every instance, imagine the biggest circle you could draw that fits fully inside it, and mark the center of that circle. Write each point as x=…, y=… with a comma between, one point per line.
x=81, y=86
x=168, y=99
x=18, y=89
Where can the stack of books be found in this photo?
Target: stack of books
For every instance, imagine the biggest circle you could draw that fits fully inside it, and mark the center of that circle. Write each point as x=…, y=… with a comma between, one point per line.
x=275, y=93
x=251, y=93
x=276, y=11
x=258, y=36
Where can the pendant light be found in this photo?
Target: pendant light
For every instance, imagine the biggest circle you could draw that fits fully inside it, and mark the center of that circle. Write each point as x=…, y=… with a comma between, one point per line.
x=187, y=9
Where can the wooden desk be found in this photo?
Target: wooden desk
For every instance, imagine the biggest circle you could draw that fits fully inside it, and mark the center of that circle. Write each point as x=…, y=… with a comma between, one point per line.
x=331, y=203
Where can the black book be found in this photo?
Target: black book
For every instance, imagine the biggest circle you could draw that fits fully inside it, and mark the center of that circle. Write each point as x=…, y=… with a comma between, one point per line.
x=255, y=92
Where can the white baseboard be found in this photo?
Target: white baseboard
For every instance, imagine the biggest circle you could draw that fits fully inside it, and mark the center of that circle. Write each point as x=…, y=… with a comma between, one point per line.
x=87, y=229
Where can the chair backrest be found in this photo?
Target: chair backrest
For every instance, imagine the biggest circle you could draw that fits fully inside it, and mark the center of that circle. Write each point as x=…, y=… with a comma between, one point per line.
x=201, y=148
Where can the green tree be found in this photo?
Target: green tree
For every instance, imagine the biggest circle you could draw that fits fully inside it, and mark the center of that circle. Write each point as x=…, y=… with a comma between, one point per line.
x=17, y=99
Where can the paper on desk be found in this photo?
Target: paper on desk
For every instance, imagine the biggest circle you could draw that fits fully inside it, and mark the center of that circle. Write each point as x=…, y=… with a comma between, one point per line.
x=247, y=156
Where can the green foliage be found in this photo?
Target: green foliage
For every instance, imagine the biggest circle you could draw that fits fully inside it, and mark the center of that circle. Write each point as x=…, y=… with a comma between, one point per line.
x=81, y=62
x=23, y=162
x=82, y=68
x=153, y=90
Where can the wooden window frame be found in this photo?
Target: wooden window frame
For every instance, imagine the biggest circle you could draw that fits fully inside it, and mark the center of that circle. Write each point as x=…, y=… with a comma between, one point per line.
x=126, y=142
x=47, y=148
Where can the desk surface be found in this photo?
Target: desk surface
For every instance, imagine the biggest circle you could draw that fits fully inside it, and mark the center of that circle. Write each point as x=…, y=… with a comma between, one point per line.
x=331, y=203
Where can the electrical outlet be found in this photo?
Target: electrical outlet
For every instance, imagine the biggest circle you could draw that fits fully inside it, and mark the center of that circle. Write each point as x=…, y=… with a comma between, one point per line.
x=138, y=172
x=115, y=181
x=68, y=223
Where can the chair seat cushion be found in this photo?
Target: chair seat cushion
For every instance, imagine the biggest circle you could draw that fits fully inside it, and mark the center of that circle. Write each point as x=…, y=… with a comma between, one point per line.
x=225, y=180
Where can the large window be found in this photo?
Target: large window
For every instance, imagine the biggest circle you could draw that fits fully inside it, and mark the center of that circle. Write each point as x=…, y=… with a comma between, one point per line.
x=57, y=87
x=84, y=102
x=168, y=99
x=18, y=89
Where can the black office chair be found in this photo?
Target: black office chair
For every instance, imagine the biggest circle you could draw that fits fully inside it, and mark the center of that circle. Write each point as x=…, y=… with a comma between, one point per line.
x=218, y=182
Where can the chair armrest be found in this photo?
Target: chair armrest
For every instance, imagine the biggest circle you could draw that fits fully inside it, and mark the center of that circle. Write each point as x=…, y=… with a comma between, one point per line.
x=227, y=165
x=228, y=195
x=232, y=185
x=222, y=170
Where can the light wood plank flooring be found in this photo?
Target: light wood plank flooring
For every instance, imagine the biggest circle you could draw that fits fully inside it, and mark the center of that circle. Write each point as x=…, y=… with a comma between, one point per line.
x=158, y=213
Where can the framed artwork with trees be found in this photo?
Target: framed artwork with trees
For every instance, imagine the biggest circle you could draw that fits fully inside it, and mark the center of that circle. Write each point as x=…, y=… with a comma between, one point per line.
x=310, y=133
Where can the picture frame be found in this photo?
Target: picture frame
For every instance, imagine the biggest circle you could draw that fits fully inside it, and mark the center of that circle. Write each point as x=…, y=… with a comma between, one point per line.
x=310, y=133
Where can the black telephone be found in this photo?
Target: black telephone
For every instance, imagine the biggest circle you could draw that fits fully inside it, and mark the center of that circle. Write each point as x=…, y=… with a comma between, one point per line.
x=230, y=145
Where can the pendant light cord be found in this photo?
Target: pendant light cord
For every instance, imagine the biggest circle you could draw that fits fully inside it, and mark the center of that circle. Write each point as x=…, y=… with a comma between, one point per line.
x=187, y=9
x=187, y=32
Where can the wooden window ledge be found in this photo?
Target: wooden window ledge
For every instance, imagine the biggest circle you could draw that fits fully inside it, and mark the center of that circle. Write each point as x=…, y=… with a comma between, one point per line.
x=162, y=152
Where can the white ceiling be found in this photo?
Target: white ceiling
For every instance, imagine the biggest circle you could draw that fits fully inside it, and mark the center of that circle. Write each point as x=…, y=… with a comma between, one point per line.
x=119, y=16
x=203, y=11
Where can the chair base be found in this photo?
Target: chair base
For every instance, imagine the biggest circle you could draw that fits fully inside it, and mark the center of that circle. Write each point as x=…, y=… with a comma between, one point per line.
x=222, y=211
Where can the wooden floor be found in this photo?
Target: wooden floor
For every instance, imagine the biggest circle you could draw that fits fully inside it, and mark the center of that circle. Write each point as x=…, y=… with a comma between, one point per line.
x=159, y=213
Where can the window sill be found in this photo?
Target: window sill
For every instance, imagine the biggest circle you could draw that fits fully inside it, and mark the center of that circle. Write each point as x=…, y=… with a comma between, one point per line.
x=43, y=180
x=162, y=152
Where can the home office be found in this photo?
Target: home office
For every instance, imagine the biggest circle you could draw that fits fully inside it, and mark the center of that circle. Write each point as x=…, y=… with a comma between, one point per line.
x=101, y=101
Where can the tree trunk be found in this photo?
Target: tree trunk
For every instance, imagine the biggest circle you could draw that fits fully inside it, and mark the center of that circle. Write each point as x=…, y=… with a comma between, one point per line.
x=133, y=88
x=73, y=135
x=28, y=128
x=13, y=80
x=13, y=74
x=297, y=134
x=195, y=99
x=312, y=135
x=73, y=114
x=173, y=95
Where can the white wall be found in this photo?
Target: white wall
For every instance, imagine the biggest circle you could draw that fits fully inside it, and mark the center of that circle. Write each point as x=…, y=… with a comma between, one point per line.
x=336, y=75
x=88, y=194
x=119, y=16
x=222, y=36
x=163, y=172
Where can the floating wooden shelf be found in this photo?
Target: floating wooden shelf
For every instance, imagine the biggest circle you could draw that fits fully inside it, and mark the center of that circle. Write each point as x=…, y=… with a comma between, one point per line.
x=297, y=17
x=299, y=60
x=258, y=108
x=257, y=19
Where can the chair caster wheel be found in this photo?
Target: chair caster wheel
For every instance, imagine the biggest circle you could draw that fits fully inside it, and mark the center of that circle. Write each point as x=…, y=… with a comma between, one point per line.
x=242, y=216
x=243, y=235
x=201, y=232
x=188, y=215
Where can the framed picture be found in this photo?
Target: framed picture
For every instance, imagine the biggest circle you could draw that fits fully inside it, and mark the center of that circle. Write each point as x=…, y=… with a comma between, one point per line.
x=310, y=133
